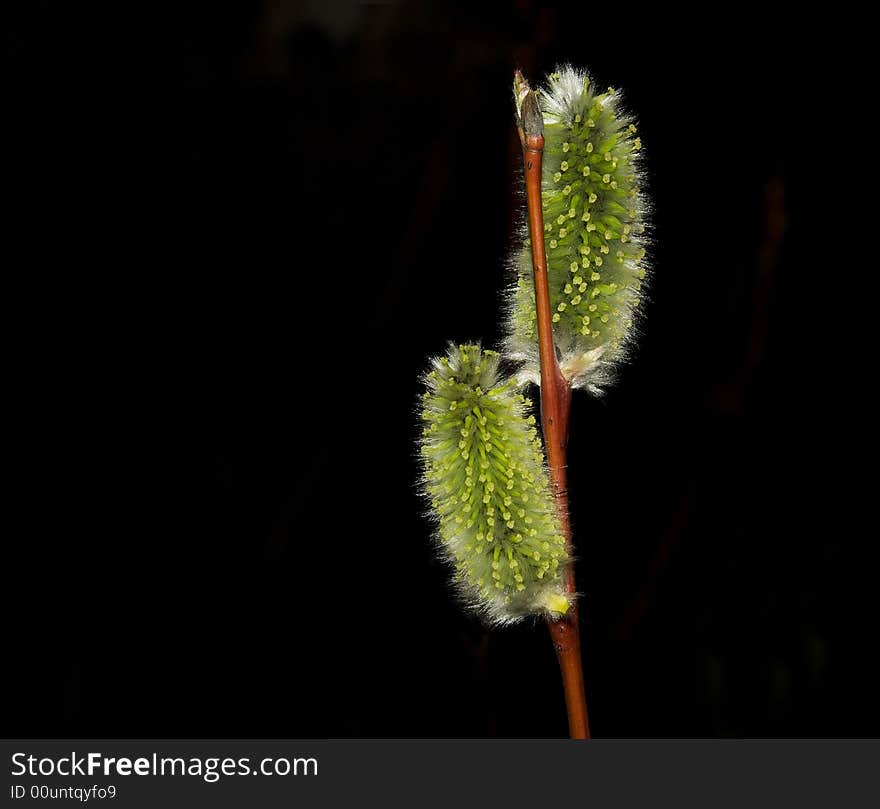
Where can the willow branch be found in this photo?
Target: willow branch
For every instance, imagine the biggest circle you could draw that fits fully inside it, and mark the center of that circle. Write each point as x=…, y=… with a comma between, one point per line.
x=555, y=408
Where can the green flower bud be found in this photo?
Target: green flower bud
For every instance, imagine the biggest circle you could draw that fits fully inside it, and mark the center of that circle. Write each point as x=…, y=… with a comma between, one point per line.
x=485, y=478
x=592, y=198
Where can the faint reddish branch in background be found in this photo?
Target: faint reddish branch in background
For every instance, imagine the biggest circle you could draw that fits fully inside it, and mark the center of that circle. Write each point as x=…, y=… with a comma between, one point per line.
x=769, y=254
x=727, y=398
x=555, y=408
x=730, y=395
x=642, y=603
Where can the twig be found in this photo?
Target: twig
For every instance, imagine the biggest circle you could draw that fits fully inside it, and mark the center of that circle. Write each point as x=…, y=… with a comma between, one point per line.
x=555, y=408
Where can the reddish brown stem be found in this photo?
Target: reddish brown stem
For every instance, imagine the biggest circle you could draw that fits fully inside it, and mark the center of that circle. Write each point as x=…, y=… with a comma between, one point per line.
x=555, y=408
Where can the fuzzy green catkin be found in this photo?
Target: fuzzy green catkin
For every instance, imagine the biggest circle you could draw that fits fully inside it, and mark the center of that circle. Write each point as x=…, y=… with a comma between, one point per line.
x=594, y=233
x=485, y=478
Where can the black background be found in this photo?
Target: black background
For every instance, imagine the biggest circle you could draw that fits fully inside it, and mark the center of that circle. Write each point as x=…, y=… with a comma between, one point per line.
x=238, y=230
